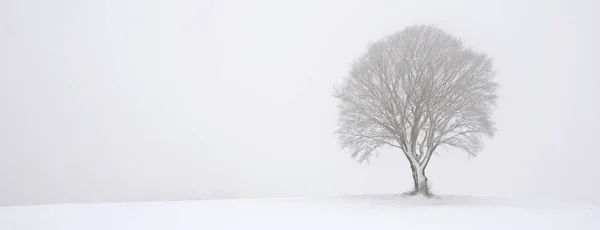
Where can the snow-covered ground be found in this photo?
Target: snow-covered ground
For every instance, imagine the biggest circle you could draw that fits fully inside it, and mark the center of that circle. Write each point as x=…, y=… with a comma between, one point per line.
x=356, y=212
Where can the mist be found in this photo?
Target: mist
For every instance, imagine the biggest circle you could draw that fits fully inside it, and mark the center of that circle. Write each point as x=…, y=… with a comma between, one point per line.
x=113, y=101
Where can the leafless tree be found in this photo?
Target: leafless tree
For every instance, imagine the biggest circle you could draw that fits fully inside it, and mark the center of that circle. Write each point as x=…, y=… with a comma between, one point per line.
x=417, y=90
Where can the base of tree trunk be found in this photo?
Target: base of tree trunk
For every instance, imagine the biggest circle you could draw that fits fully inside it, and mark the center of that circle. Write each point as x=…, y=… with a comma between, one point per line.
x=424, y=190
x=415, y=193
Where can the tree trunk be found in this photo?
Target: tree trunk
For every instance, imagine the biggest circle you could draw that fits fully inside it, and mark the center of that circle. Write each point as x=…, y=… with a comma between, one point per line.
x=421, y=185
x=414, y=176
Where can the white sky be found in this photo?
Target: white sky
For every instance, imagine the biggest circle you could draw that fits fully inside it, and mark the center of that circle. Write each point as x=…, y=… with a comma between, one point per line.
x=146, y=100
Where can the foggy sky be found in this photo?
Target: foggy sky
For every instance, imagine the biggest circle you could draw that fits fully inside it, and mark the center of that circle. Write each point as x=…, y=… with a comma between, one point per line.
x=158, y=100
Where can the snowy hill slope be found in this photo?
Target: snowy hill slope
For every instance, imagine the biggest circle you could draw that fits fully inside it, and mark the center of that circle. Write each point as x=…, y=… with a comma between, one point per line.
x=356, y=212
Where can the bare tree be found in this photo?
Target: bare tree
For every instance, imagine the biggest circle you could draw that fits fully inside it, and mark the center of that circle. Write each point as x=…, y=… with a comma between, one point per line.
x=417, y=90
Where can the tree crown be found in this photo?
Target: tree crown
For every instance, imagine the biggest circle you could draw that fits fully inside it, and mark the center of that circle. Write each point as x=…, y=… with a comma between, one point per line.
x=417, y=89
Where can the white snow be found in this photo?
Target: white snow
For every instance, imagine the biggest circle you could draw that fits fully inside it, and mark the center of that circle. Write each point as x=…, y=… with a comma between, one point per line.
x=357, y=212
